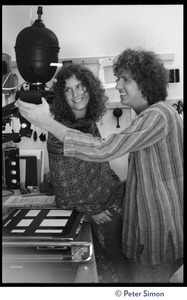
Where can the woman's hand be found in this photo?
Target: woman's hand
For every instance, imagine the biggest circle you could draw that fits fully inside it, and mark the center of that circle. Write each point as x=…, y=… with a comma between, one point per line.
x=37, y=114
x=103, y=217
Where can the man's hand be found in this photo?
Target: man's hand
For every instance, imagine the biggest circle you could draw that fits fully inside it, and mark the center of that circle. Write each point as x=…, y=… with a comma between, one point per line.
x=103, y=217
x=37, y=114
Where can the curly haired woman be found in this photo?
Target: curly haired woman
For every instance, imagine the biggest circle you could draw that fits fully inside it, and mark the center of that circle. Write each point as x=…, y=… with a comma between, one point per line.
x=91, y=188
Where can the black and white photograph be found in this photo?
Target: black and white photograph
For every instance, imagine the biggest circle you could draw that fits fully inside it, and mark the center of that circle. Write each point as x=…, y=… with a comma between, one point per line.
x=92, y=150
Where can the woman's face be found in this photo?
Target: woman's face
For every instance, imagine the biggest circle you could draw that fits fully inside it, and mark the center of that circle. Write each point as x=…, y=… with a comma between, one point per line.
x=76, y=97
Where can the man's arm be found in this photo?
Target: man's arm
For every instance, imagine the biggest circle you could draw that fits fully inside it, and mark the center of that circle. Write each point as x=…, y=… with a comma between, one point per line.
x=40, y=116
x=147, y=129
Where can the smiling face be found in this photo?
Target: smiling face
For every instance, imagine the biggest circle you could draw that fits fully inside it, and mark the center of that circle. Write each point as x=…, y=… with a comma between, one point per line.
x=76, y=97
x=130, y=93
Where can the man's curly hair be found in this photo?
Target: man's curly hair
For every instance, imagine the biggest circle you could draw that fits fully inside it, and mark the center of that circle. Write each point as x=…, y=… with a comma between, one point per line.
x=96, y=105
x=147, y=69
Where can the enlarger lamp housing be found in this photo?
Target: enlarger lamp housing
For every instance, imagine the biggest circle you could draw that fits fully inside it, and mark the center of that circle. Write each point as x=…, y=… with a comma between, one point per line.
x=36, y=48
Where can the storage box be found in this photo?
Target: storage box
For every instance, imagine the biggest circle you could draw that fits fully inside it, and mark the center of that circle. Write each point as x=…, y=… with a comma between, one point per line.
x=43, y=245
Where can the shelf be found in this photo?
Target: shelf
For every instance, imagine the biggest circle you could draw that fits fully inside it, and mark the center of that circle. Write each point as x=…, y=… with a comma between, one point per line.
x=112, y=105
x=95, y=60
x=167, y=56
x=109, y=85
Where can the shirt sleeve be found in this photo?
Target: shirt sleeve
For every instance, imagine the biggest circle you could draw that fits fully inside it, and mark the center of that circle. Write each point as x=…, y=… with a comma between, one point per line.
x=148, y=128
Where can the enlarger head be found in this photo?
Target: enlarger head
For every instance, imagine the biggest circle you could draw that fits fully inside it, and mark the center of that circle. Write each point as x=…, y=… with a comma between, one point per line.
x=36, y=48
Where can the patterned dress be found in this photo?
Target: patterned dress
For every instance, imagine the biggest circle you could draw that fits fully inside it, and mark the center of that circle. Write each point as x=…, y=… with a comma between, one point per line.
x=91, y=188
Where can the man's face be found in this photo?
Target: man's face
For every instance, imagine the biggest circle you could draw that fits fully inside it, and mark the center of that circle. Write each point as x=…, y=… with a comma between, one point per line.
x=130, y=93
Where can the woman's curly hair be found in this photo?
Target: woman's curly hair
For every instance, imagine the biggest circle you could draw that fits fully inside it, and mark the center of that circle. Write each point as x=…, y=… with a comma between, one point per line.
x=96, y=105
x=147, y=69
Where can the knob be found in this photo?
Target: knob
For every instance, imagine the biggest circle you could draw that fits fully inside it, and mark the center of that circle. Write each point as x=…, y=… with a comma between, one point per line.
x=14, y=181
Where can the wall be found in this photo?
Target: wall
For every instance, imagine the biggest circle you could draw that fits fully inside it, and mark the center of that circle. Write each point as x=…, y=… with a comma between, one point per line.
x=93, y=31
x=103, y=30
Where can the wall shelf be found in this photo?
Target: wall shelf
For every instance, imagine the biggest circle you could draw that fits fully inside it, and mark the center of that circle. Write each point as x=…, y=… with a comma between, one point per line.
x=95, y=60
x=109, y=85
x=112, y=105
x=167, y=56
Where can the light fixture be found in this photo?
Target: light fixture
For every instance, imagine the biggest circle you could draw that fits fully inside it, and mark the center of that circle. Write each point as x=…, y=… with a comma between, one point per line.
x=117, y=112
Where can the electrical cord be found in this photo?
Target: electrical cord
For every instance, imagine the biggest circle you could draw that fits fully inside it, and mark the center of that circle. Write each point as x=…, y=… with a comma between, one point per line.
x=3, y=185
x=12, y=88
x=31, y=11
x=6, y=79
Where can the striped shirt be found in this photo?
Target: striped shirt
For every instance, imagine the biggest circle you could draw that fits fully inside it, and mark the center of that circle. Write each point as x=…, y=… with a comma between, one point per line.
x=153, y=204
